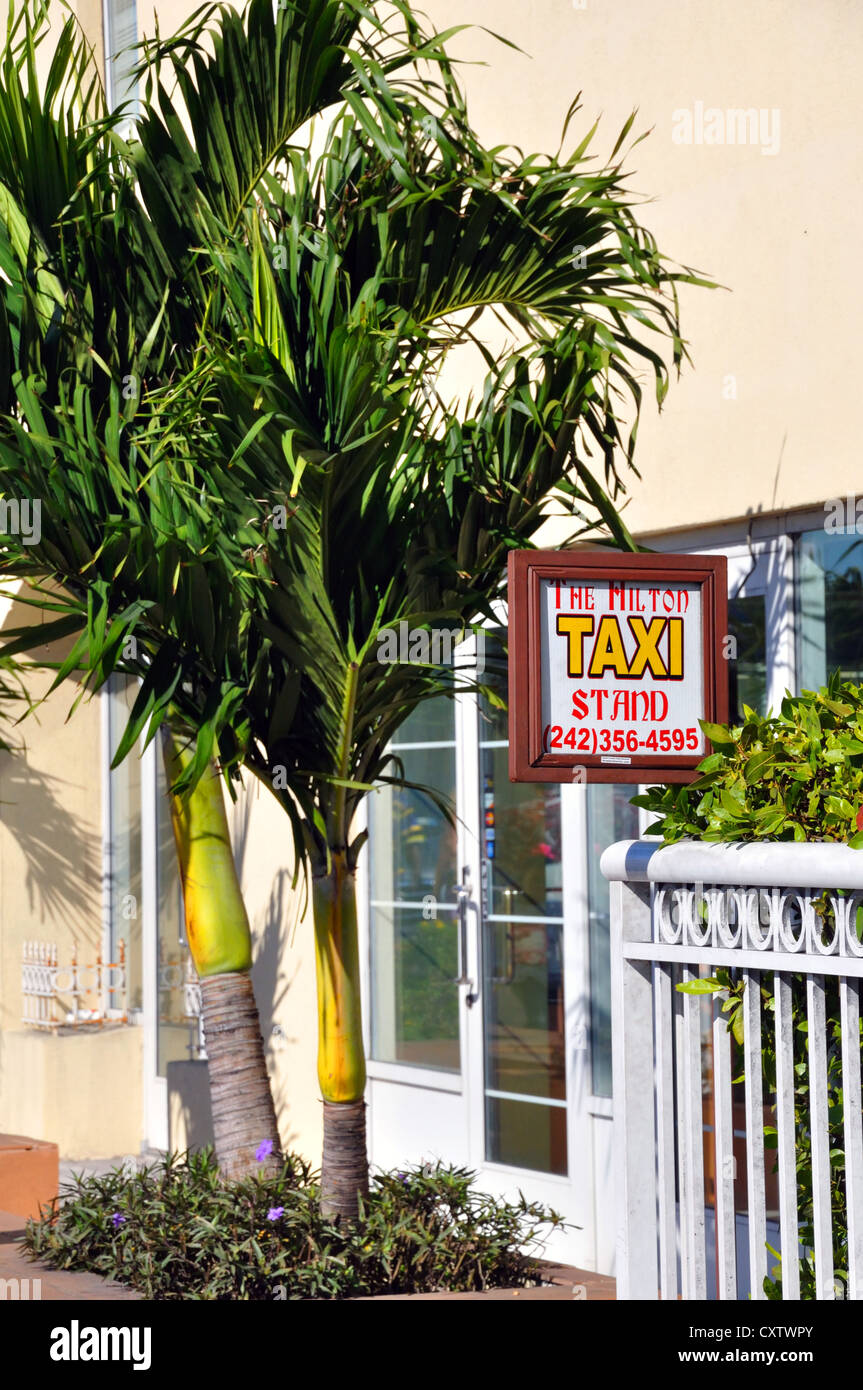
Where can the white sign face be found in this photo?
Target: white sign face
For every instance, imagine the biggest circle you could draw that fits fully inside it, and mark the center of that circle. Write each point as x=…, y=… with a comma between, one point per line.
x=622, y=669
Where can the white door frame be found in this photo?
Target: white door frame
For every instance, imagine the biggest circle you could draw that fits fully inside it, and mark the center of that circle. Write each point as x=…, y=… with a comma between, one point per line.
x=156, y=1135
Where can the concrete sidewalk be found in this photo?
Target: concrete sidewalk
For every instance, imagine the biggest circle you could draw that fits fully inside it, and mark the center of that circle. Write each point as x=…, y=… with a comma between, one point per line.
x=44, y=1283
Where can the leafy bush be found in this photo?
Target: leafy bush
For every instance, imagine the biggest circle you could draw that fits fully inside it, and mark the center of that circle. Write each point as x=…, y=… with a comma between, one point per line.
x=797, y=775
x=175, y=1230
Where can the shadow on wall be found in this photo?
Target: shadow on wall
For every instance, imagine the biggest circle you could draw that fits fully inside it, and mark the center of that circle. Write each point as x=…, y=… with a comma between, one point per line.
x=271, y=981
x=63, y=861
x=272, y=985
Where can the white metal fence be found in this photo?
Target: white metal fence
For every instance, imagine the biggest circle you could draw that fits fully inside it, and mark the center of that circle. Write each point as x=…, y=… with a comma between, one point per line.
x=784, y=918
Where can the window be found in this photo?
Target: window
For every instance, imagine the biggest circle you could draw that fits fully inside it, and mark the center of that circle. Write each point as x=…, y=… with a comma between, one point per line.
x=121, y=31
x=829, y=575
x=522, y=954
x=414, y=942
x=747, y=619
x=124, y=841
x=610, y=818
x=177, y=1033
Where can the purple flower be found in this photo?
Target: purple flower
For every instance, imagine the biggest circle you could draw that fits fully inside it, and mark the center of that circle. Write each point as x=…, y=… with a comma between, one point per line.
x=264, y=1149
x=117, y=1219
x=274, y=1213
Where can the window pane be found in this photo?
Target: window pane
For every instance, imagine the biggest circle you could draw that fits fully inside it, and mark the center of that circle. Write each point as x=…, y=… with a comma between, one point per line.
x=121, y=33
x=523, y=1002
x=414, y=937
x=748, y=674
x=524, y=1010
x=609, y=818
x=415, y=1000
x=177, y=1034
x=125, y=840
x=830, y=599
x=524, y=1135
x=413, y=843
x=520, y=821
x=432, y=722
x=521, y=831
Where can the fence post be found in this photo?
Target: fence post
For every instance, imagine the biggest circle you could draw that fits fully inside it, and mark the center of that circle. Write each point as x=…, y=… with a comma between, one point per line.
x=633, y=1089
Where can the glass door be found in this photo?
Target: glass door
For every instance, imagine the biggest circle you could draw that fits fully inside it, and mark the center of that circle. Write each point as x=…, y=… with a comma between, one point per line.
x=171, y=1024
x=527, y=1014
x=523, y=1013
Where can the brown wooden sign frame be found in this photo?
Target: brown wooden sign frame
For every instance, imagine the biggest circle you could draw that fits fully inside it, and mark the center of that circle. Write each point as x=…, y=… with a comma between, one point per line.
x=527, y=569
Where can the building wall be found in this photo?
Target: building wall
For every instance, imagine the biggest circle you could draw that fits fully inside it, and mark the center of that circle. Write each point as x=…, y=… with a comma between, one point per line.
x=53, y=1086
x=51, y=891
x=772, y=228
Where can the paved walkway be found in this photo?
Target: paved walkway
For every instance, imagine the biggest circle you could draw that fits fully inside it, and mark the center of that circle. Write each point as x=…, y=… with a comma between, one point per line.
x=61, y=1284
x=568, y=1284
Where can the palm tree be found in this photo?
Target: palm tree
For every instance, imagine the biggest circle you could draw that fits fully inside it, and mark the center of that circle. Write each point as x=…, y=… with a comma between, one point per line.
x=401, y=508
x=98, y=293
x=297, y=487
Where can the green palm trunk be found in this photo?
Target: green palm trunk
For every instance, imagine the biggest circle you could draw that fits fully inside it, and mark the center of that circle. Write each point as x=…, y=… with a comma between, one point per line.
x=220, y=942
x=341, y=1055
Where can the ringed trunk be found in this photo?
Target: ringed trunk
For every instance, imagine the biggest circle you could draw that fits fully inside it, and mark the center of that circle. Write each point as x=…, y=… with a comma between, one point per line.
x=220, y=942
x=341, y=1057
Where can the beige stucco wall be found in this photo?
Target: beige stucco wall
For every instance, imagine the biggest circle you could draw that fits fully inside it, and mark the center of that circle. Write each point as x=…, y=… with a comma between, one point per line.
x=83, y=1091
x=51, y=891
x=776, y=229
x=55, y=1087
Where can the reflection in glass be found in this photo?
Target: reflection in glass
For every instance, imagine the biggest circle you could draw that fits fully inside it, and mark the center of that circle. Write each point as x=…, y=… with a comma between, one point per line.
x=414, y=966
x=177, y=1034
x=523, y=1135
x=125, y=840
x=524, y=1009
x=830, y=596
x=413, y=844
x=414, y=939
x=525, y=1046
x=610, y=817
x=748, y=672
x=521, y=831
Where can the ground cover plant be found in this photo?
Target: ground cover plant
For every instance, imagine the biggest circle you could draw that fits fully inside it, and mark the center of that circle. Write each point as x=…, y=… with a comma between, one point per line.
x=177, y=1230
x=797, y=776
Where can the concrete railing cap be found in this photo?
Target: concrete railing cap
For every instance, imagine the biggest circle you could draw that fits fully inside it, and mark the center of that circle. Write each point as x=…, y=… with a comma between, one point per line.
x=753, y=863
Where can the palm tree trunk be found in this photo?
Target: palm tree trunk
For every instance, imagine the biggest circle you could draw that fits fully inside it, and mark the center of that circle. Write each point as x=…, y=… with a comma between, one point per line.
x=220, y=942
x=341, y=1056
x=240, y=1095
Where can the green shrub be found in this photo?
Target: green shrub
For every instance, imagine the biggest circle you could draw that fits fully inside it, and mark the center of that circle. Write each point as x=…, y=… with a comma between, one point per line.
x=797, y=775
x=174, y=1230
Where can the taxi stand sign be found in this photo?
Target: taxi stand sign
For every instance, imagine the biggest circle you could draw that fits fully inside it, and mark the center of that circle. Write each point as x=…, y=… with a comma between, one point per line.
x=613, y=661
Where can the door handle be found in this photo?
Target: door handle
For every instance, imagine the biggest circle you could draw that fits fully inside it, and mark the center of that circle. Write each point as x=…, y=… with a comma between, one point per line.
x=462, y=896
